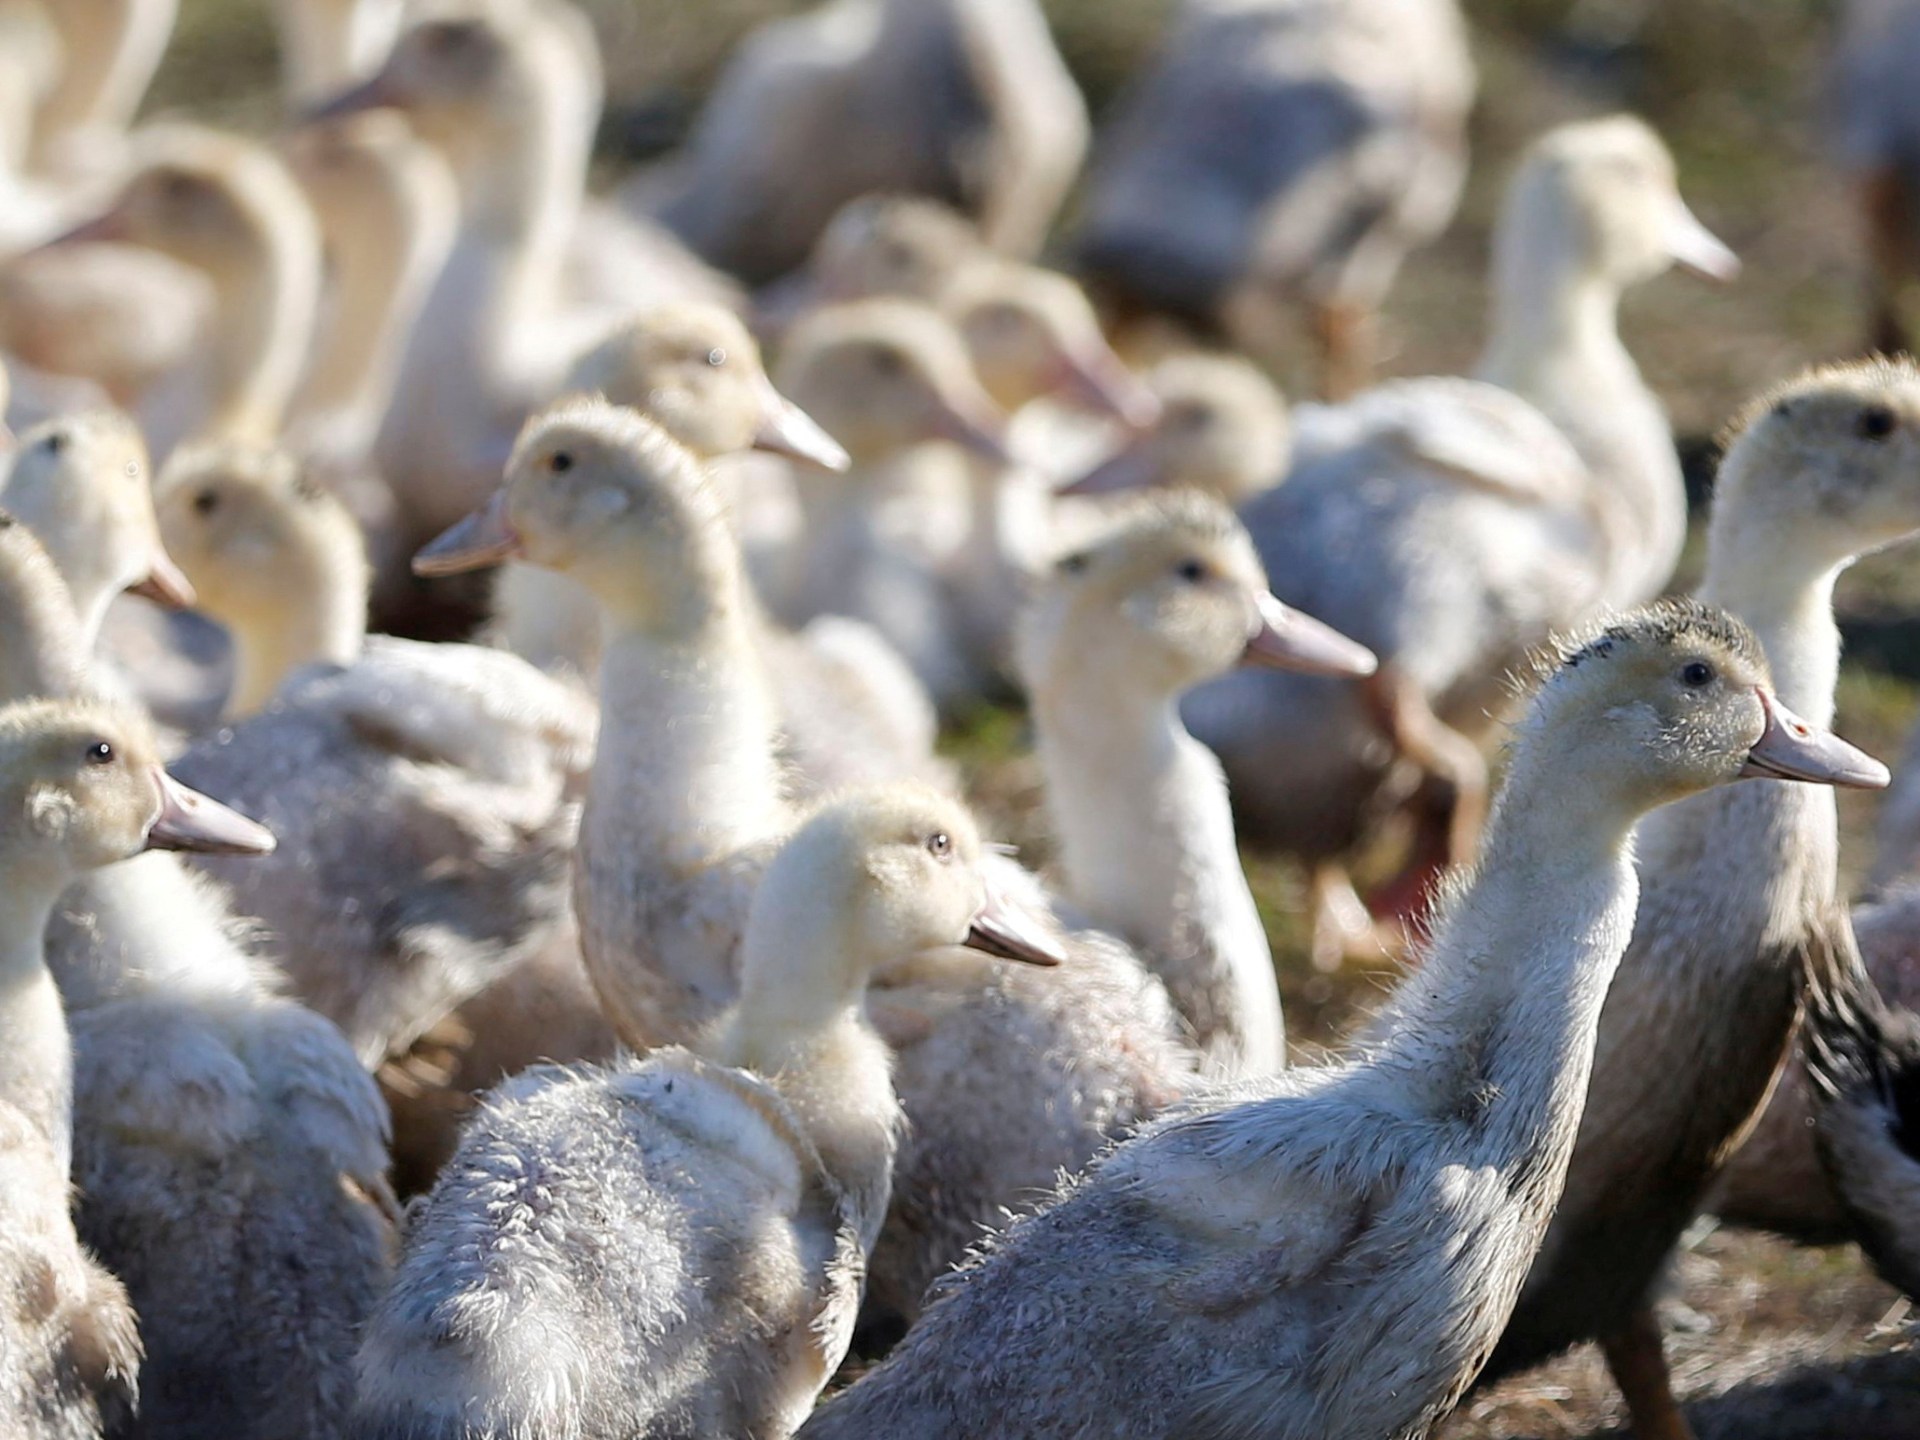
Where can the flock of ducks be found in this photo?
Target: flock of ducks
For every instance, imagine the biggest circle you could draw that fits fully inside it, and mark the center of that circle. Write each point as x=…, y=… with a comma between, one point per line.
x=586, y=1005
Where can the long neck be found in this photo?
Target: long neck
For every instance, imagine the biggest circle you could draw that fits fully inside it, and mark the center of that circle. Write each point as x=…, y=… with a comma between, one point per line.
x=686, y=770
x=329, y=623
x=105, y=75
x=1497, y=1028
x=1552, y=313
x=1755, y=570
x=265, y=309
x=36, y=1073
x=383, y=265
x=1147, y=849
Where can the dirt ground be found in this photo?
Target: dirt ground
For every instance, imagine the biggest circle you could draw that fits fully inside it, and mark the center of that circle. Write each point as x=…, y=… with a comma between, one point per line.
x=1769, y=1341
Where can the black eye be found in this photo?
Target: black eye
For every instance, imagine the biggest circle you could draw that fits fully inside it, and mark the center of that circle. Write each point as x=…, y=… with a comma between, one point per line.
x=54, y=443
x=940, y=845
x=99, y=753
x=1876, y=422
x=1075, y=564
x=1192, y=571
x=1696, y=673
x=888, y=363
x=716, y=357
x=206, y=502
x=560, y=463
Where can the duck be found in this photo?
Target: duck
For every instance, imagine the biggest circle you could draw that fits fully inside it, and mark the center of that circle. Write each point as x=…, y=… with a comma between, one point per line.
x=1862, y=1058
x=880, y=243
x=1870, y=126
x=969, y=104
x=886, y=377
x=82, y=483
x=1172, y=596
x=229, y=1151
x=227, y=208
x=81, y=788
x=1279, y=151
x=752, y=1168
x=1256, y=1261
x=110, y=50
x=328, y=45
x=1734, y=886
x=664, y=872
x=1465, y=512
x=509, y=94
x=473, y=757
x=387, y=208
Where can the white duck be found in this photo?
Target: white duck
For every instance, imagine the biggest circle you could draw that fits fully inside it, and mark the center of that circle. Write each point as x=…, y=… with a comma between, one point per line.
x=1170, y=597
x=686, y=801
x=229, y=1150
x=704, y=1214
x=470, y=754
x=500, y=89
x=1736, y=886
x=80, y=788
x=1332, y=1252
x=967, y=102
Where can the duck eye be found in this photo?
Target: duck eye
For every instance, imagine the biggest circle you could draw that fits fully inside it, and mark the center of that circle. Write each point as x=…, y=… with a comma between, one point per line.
x=54, y=442
x=1876, y=422
x=940, y=845
x=99, y=753
x=1192, y=571
x=560, y=462
x=1075, y=564
x=888, y=363
x=1696, y=674
x=716, y=357
x=206, y=502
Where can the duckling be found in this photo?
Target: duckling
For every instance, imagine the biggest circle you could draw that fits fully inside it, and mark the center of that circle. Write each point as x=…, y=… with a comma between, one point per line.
x=885, y=377
x=80, y=788
x=686, y=801
x=226, y=207
x=471, y=755
x=1332, y=1251
x=968, y=103
x=1284, y=149
x=327, y=45
x=228, y=1148
x=509, y=94
x=81, y=483
x=1735, y=887
x=1172, y=596
x=752, y=1168
x=875, y=244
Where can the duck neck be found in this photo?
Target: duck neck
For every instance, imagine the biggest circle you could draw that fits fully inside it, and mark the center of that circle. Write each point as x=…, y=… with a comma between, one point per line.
x=1496, y=1031
x=265, y=311
x=326, y=45
x=104, y=74
x=1147, y=848
x=36, y=1076
x=1553, y=314
x=329, y=625
x=1757, y=571
x=41, y=649
x=687, y=765
x=383, y=265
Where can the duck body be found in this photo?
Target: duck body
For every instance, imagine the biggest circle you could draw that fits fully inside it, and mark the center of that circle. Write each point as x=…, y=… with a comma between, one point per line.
x=1329, y=144
x=967, y=103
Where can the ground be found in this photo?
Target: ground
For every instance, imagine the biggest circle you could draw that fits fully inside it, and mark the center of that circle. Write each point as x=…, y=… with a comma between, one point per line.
x=1770, y=1342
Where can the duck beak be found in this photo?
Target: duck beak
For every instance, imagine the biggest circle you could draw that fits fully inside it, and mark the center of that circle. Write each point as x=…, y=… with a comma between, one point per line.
x=973, y=428
x=1131, y=467
x=166, y=584
x=1693, y=245
x=377, y=92
x=192, y=821
x=1791, y=749
x=484, y=538
x=1099, y=380
x=1001, y=928
x=1288, y=640
x=786, y=429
